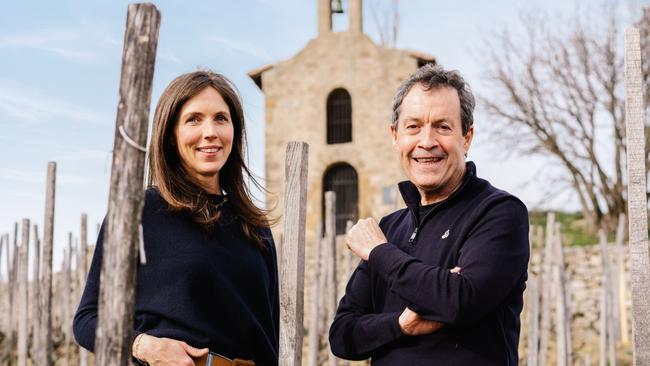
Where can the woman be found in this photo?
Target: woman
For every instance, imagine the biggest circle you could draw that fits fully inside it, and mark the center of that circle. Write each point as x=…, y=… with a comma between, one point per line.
x=210, y=282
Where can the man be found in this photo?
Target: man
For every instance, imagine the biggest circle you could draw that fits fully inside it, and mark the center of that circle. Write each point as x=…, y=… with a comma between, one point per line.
x=440, y=282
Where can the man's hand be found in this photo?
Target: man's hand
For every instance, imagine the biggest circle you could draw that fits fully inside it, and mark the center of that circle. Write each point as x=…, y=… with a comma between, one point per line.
x=364, y=237
x=412, y=324
x=166, y=351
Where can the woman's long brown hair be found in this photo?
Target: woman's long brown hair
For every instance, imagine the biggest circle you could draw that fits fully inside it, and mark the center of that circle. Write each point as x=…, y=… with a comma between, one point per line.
x=174, y=183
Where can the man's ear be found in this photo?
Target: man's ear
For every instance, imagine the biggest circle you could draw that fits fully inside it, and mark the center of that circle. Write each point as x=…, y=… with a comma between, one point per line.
x=468, y=139
x=393, y=133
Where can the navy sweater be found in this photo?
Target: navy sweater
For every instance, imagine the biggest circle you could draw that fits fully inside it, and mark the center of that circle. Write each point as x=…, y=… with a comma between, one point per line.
x=214, y=290
x=481, y=229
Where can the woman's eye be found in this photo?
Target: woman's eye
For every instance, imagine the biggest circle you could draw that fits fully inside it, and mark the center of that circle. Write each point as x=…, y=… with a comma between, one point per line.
x=193, y=119
x=221, y=117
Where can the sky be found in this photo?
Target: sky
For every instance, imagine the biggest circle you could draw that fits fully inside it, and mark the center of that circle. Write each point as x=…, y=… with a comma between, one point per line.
x=60, y=70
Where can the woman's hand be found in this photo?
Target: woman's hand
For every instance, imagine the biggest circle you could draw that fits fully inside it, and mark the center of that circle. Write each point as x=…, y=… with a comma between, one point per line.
x=166, y=351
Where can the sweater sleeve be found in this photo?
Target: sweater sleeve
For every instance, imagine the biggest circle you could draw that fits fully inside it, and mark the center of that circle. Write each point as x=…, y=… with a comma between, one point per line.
x=357, y=331
x=493, y=261
x=85, y=319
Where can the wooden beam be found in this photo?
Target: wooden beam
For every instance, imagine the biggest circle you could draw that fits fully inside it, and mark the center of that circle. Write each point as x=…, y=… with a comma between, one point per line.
x=292, y=259
x=637, y=197
x=126, y=198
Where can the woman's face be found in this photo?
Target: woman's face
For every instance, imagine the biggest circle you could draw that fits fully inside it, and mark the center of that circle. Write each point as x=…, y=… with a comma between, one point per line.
x=204, y=134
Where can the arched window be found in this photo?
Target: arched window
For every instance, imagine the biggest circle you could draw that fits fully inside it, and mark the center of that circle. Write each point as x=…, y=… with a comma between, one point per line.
x=342, y=179
x=339, y=117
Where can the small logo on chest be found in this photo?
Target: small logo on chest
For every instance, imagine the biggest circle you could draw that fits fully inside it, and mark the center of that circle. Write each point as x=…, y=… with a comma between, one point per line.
x=445, y=235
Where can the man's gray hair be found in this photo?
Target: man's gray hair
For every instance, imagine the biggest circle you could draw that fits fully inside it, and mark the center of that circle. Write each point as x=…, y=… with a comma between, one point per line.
x=430, y=77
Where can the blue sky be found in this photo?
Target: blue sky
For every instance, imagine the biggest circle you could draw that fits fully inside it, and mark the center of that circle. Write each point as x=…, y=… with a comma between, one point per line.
x=60, y=68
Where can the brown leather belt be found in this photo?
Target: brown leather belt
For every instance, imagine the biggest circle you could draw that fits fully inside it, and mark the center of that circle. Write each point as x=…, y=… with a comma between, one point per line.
x=215, y=359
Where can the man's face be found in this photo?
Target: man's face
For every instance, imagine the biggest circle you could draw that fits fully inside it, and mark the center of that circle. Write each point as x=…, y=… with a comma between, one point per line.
x=429, y=138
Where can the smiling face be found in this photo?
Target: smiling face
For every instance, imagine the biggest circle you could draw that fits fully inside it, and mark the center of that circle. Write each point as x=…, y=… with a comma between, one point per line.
x=204, y=136
x=430, y=141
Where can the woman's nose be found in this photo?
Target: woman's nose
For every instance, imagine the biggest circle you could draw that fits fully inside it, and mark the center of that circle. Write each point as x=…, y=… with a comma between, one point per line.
x=210, y=131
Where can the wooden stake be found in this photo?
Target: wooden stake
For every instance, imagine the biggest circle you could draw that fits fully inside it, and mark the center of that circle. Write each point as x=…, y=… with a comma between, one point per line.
x=545, y=328
x=533, y=320
x=23, y=272
x=637, y=198
x=623, y=332
x=330, y=247
x=314, y=320
x=82, y=272
x=67, y=289
x=35, y=301
x=292, y=260
x=44, y=355
x=562, y=310
x=126, y=199
x=13, y=293
x=349, y=257
x=607, y=339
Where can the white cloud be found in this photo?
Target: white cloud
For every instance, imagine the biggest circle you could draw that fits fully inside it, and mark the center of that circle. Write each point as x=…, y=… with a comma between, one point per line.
x=32, y=106
x=33, y=177
x=240, y=47
x=64, y=43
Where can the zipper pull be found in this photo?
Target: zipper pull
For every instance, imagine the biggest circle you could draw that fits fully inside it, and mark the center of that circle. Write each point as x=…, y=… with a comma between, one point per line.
x=415, y=233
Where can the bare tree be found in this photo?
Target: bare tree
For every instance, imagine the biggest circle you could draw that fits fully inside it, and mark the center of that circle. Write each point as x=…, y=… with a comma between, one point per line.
x=557, y=90
x=386, y=19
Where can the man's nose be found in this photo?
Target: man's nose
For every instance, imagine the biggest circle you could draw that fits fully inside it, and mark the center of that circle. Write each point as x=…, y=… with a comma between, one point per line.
x=428, y=137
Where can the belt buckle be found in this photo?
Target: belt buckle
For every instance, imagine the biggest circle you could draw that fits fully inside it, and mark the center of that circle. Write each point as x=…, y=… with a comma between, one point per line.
x=240, y=362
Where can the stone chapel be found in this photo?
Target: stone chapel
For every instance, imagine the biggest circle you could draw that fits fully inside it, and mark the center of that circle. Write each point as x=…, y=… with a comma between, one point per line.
x=335, y=94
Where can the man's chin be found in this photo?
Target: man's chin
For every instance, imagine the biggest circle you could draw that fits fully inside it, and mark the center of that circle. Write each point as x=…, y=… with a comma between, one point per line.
x=427, y=186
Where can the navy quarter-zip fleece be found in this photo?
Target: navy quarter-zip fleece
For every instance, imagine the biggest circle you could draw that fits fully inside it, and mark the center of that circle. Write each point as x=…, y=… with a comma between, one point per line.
x=479, y=228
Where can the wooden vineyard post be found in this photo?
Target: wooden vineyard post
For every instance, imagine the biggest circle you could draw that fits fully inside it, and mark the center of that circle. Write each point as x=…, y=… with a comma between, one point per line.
x=126, y=198
x=533, y=320
x=292, y=259
x=36, y=284
x=621, y=283
x=348, y=260
x=545, y=326
x=562, y=309
x=314, y=316
x=22, y=273
x=4, y=295
x=13, y=288
x=67, y=288
x=637, y=198
x=44, y=354
x=607, y=336
x=82, y=273
x=330, y=254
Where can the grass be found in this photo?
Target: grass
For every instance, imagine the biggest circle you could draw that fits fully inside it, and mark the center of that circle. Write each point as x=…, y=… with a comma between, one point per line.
x=575, y=228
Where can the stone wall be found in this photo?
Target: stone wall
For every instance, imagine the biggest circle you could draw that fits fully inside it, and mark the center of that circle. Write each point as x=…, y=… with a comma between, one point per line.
x=584, y=274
